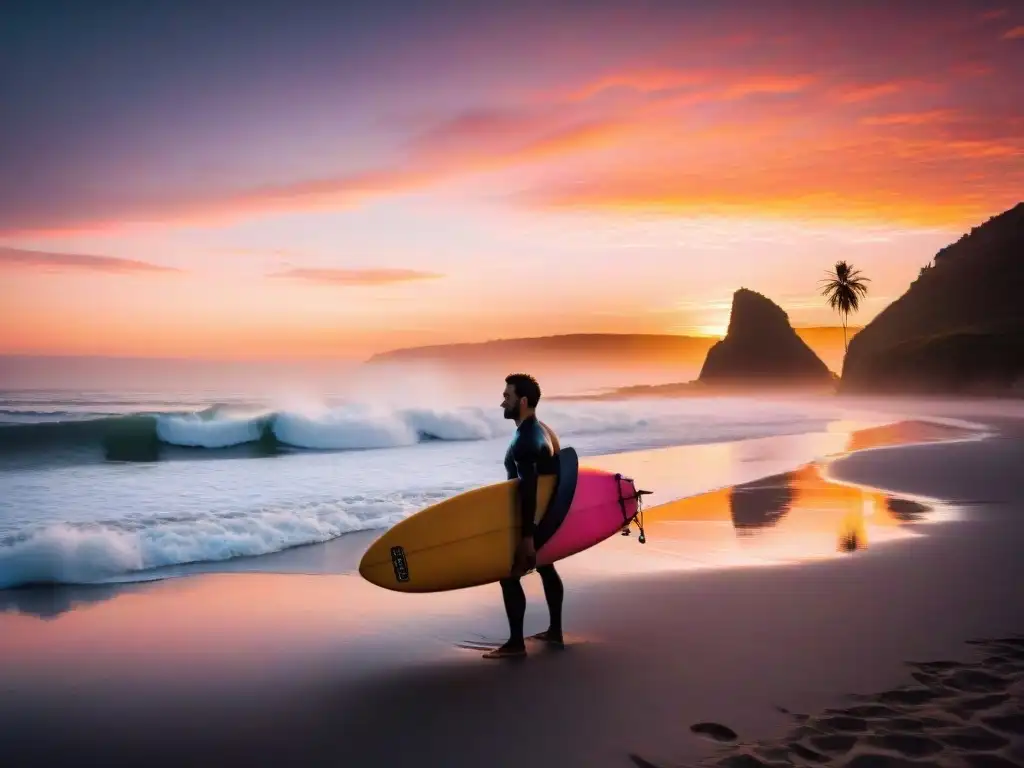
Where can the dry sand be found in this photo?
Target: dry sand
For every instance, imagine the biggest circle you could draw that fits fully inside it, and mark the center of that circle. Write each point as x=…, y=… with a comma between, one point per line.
x=949, y=713
x=667, y=664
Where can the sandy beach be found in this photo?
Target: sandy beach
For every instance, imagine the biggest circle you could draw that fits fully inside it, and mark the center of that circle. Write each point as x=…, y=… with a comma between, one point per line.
x=862, y=612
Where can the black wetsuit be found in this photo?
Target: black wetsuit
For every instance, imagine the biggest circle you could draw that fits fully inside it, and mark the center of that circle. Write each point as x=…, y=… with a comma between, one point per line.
x=531, y=454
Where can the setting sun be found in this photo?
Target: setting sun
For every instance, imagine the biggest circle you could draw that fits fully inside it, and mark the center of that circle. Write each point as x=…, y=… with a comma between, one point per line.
x=717, y=331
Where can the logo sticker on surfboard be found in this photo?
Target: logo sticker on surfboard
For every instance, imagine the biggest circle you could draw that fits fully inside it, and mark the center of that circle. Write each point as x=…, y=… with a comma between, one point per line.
x=399, y=563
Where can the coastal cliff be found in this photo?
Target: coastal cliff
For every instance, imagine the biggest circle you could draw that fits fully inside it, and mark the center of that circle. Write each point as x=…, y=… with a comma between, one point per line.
x=959, y=327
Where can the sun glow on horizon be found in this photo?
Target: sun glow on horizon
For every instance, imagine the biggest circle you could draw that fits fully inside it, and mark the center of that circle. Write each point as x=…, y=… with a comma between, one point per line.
x=714, y=331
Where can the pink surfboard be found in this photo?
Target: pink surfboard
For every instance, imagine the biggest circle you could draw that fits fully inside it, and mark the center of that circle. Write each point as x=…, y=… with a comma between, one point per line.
x=602, y=505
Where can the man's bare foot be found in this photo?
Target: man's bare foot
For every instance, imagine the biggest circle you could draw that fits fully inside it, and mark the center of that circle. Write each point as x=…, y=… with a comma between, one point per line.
x=507, y=651
x=549, y=636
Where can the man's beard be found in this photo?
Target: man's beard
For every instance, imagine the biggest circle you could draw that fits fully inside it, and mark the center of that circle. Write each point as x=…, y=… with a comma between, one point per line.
x=512, y=412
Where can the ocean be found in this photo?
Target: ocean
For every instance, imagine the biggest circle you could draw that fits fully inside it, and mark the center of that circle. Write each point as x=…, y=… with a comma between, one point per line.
x=107, y=484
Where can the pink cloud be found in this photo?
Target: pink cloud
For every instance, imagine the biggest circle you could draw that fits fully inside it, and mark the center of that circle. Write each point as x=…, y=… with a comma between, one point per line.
x=355, y=277
x=18, y=258
x=910, y=118
x=866, y=92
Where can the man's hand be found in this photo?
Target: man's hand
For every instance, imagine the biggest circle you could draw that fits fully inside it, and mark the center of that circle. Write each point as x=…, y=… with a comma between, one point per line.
x=525, y=557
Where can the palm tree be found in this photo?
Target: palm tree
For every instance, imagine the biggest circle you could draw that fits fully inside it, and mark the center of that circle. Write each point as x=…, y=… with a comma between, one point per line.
x=844, y=287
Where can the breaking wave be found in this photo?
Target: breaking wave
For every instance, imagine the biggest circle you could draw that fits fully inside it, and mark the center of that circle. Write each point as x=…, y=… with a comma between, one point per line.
x=93, y=552
x=141, y=437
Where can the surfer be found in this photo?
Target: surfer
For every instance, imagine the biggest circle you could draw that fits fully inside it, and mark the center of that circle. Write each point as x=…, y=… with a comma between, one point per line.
x=531, y=453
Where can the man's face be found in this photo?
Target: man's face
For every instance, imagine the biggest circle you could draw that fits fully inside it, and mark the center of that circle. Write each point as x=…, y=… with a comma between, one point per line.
x=510, y=404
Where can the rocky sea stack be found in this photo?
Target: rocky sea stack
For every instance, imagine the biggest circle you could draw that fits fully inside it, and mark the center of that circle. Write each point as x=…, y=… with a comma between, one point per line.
x=761, y=347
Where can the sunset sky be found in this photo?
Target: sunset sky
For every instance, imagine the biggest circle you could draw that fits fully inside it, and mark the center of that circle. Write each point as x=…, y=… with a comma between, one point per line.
x=286, y=179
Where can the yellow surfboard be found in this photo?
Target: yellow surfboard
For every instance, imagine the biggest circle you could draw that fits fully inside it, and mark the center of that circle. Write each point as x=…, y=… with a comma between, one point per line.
x=463, y=541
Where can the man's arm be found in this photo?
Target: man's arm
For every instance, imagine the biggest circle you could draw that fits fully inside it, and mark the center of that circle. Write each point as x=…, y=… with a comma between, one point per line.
x=526, y=456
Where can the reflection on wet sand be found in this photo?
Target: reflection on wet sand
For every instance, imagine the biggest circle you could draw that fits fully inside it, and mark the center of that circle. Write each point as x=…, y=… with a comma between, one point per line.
x=792, y=516
x=47, y=602
x=759, y=504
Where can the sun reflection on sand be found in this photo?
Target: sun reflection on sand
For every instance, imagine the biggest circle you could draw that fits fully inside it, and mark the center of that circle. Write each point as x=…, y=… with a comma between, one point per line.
x=788, y=517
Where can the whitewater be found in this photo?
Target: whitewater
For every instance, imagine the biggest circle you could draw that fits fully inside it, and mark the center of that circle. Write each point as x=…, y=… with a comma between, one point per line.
x=96, y=489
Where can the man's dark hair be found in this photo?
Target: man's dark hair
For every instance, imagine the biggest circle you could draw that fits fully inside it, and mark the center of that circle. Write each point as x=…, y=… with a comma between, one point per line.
x=525, y=386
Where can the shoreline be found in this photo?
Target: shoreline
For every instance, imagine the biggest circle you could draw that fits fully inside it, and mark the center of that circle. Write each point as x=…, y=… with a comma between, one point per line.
x=270, y=668
x=725, y=464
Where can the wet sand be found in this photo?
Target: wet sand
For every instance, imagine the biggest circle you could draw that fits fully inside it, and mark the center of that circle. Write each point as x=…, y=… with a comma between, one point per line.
x=750, y=614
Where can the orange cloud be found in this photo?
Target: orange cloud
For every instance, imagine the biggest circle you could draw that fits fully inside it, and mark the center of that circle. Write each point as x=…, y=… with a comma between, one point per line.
x=344, y=190
x=910, y=180
x=455, y=150
x=466, y=144
x=856, y=93
x=555, y=130
x=768, y=84
x=492, y=140
x=642, y=80
x=336, y=191
x=943, y=166
x=663, y=84
x=360, y=277
x=910, y=118
x=18, y=258
x=803, y=202
x=1017, y=33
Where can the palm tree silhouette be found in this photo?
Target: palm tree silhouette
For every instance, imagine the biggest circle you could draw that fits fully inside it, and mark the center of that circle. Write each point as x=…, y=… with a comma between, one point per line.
x=844, y=287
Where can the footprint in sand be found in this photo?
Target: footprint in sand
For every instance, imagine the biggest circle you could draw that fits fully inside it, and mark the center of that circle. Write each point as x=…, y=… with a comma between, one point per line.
x=976, y=681
x=936, y=666
x=1012, y=724
x=842, y=724
x=834, y=743
x=909, y=696
x=962, y=714
x=866, y=710
x=715, y=732
x=806, y=753
x=744, y=760
x=798, y=717
x=639, y=762
x=874, y=760
x=919, y=723
x=907, y=744
x=968, y=706
x=481, y=644
x=976, y=739
x=1002, y=662
x=982, y=760
x=926, y=678
x=773, y=755
x=1011, y=648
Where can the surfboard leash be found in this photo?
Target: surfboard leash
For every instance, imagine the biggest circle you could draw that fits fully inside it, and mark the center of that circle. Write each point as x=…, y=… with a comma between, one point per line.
x=637, y=518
